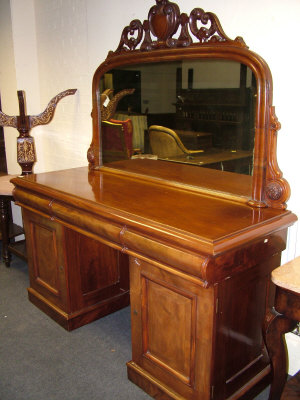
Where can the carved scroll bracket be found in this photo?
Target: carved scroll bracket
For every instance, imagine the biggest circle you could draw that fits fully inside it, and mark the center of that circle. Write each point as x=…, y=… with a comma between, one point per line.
x=26, y=155
x=277, y=189
x=165, y=21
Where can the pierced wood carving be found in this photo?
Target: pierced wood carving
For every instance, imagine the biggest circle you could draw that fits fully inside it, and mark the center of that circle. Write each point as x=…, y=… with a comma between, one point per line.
x=169, y=35
x=26, y=155
x=164, y=21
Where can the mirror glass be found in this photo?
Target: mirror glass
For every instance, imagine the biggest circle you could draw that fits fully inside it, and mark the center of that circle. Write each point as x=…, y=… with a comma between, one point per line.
x=197, y=112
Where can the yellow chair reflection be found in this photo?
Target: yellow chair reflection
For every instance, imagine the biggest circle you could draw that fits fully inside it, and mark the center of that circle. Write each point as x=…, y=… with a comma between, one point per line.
x=165, y=143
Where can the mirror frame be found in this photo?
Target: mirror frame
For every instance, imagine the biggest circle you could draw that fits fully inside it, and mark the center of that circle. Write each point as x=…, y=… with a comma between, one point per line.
x=152, y=41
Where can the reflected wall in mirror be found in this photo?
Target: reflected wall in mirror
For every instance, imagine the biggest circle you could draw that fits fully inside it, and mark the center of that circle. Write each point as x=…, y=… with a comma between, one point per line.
x=197, y=112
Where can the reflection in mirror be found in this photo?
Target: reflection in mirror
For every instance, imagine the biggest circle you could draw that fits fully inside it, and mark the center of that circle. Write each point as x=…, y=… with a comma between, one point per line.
x=198, y=112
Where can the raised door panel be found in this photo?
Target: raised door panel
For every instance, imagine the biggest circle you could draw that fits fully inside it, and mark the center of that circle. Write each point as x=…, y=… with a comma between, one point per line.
x=243, y=300
x=172, y=329
x=92, y=254
x=177, y=308
x=45, y=258
x=96, y=272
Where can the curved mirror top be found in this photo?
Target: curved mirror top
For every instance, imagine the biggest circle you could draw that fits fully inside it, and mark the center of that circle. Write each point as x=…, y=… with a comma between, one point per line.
x=180, y=93
x=196, y=112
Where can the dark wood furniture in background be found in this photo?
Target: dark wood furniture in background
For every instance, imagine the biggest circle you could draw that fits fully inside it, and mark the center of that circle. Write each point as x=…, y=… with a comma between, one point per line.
x=3, y=165
x=281, y=319
x=226, y=113
x=9, y=230
x=200, y=243
x=195, y=139
x=116, y=140
x=26, y=157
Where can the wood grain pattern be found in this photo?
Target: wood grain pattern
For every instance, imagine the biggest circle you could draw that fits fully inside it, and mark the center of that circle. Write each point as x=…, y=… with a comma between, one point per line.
x=73, y=278
x=177, y=318
x=98, y=193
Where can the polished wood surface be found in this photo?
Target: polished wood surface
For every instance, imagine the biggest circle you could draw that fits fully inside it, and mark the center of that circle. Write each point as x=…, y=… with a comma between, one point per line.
x=73, y=278
x=189, y=178
x=191, y=270
x=292, y=388
x=282, y=319
x=135, y=202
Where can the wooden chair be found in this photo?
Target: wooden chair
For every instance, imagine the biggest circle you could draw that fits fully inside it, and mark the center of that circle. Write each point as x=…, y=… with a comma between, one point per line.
x=9, y=230
x=116, y=140
x=282, y=319
x=26, y=157
x=165, y=143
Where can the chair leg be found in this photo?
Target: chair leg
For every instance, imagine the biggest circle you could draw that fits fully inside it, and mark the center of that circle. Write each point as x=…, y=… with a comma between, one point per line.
x=274, y=327
x=5, y=217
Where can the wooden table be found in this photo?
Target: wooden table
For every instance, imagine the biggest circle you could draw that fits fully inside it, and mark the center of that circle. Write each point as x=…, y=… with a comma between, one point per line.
x=195, y=140
x=227, y=160
x=282, y=319
x=199, y=269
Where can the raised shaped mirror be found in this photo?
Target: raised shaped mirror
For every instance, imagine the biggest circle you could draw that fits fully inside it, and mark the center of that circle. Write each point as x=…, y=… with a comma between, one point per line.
x=197, y=112
x=180, y=101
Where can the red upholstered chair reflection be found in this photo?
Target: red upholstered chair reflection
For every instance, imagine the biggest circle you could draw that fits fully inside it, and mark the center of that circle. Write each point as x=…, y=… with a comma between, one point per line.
x=116, y=140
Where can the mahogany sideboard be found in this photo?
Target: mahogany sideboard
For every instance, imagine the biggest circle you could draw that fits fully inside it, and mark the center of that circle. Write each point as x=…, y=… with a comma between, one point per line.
x=199, y=271
x=194, y=246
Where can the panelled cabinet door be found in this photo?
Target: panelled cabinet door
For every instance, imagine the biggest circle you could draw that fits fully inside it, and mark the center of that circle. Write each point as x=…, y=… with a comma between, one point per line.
x=73, y=278
x=46, y=261
x=96, y=272
x=172, y=330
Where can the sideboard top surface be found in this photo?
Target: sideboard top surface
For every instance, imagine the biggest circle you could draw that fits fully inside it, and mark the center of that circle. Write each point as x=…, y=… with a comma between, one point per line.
x=151, y=205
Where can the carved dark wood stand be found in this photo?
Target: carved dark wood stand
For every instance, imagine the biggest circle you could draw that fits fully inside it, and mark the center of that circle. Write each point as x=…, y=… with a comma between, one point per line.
x=26, y=157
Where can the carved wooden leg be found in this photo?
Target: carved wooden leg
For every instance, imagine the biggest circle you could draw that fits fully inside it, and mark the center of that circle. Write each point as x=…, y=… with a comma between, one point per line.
x=4, y=215
x=274, y=327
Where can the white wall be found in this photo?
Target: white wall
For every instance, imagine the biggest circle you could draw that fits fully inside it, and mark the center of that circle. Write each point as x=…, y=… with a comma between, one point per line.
x=50, y=46
x=8, y=84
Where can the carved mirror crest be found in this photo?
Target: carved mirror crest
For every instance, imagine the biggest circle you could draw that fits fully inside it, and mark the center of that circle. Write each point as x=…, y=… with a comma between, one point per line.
x=185, y=93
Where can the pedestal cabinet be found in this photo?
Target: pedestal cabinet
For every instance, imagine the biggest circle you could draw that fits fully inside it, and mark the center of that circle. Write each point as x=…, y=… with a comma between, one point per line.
x=73, y=278
x=193, y=341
